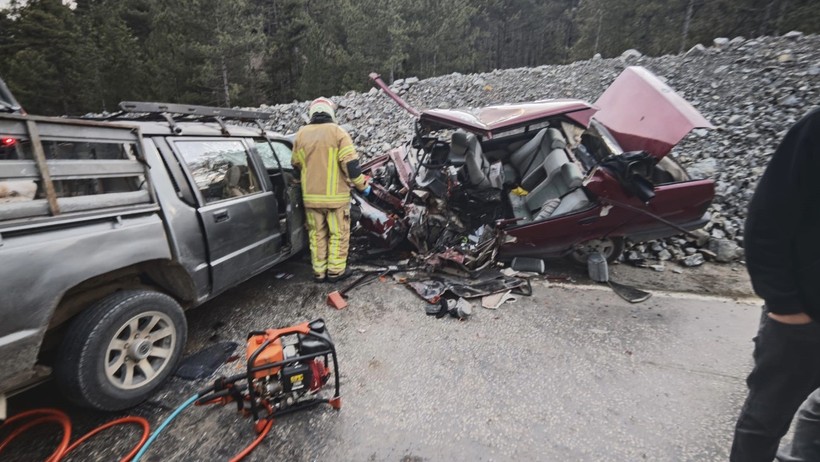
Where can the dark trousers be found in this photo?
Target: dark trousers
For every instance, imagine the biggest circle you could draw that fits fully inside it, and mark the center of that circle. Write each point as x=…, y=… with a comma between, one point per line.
x=786, y=372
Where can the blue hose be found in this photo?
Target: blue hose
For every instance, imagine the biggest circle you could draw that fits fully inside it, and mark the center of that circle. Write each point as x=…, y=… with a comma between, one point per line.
x=164, y=424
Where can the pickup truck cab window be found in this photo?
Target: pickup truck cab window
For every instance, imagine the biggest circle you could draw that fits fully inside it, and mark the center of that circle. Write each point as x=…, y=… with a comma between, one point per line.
x=220, y=168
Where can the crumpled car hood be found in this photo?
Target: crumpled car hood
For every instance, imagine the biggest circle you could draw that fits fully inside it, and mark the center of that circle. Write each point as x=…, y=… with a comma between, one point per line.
x=644, y=114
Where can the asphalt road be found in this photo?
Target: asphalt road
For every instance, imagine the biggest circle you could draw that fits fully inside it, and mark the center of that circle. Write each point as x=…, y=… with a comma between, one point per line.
x=571, y=373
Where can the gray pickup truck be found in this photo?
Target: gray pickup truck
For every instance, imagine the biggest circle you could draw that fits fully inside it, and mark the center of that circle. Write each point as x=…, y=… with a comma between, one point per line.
x=109, y=229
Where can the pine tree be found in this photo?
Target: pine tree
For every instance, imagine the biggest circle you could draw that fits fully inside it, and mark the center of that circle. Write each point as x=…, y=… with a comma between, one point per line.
x=40, y=52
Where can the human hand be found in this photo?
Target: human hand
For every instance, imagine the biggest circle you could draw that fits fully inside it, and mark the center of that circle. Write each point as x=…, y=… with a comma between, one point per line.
x=792, y=319
x=367, y=190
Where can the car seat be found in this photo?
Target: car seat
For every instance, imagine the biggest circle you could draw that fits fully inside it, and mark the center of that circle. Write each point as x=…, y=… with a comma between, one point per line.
x=458, y=148
x=238, y=181
x=562, y=190
x=524, y=166
x=476, y=165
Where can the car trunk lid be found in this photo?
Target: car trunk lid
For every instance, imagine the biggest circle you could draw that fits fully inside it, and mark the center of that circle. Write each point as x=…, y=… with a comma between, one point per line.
x=645, y=114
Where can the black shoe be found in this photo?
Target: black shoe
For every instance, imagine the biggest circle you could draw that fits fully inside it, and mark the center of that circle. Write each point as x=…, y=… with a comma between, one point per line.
x=339, y=277
x=318, y=279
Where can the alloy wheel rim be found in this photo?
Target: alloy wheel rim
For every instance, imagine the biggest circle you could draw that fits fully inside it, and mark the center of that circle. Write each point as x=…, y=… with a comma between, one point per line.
x=140, y=350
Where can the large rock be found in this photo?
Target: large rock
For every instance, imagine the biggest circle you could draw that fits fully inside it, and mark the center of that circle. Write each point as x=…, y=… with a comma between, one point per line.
x=631, y=54
x=695, y=259
x=701, y=169
x=725, y=250
x=793, y=35
x=721, y=42
x=696, y=50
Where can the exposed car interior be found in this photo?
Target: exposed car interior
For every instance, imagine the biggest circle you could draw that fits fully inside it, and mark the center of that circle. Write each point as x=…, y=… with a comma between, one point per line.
x=539, y=170
x=534, y=170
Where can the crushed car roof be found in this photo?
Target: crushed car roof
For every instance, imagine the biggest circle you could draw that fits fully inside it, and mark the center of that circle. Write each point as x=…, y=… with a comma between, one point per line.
x=490, y=120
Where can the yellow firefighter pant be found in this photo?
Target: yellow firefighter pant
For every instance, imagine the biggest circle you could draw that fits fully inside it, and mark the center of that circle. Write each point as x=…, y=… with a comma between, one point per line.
x=329, y=236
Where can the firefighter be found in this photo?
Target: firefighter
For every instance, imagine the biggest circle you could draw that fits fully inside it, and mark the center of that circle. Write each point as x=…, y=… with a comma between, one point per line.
x=328, y=164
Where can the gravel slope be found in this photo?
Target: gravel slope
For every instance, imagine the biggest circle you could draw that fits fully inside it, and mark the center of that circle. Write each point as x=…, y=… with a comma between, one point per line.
x=751, y=90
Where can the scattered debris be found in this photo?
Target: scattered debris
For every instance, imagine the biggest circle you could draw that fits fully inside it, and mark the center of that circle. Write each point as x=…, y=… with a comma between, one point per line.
x=511, y=272
x=528, y=264
x=597, y=267
x=494, y=301
x=439, y=309
x=338, y=298
x=433, y=289
x=628, y=293
x=462, y=309
x=456, y=307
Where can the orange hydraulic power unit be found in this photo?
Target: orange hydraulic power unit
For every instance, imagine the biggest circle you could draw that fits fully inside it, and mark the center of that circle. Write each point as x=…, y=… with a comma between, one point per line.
x=287, y=370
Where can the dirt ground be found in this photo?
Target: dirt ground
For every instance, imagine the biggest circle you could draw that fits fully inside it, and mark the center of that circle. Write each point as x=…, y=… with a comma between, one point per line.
x=727, y=280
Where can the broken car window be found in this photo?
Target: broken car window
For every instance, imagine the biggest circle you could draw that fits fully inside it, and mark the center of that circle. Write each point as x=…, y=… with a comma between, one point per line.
x=220, y=168
x=283, y=152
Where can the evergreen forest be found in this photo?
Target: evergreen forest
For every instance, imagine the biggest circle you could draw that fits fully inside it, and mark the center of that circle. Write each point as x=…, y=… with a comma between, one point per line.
x=87, y=55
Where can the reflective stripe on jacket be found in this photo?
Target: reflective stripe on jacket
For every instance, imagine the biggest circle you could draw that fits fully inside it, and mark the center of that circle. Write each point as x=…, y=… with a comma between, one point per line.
x=321, y=152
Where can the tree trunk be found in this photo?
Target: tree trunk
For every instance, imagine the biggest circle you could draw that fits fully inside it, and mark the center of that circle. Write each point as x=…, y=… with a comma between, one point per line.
x=225, y=83
x=764, y=26
x=598, y=33
x=779, y=23
x=686, y=22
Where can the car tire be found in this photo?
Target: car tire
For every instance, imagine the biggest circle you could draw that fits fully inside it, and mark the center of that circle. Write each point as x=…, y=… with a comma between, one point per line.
x=119, y=350
x=611, y=248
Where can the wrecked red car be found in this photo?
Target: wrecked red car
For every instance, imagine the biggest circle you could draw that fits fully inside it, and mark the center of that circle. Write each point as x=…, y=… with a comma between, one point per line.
x=545, y=179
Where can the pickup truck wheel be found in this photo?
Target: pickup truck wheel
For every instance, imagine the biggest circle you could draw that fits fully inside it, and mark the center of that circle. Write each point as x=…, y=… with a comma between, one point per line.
x=117, y=352
x=610, y=247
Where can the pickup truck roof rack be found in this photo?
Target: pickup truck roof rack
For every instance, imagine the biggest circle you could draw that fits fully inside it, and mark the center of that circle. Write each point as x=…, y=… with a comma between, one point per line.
x=173, y=113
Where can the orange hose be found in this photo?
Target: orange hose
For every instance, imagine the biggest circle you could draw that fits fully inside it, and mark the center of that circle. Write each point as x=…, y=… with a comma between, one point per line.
x=25, y=427
x=50, y=415
x=209, y=402
x=124, y=420
x=57, y=416
x=255, y=443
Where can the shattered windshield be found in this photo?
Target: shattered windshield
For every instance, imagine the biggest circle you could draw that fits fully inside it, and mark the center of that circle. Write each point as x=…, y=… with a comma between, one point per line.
x=283, y=154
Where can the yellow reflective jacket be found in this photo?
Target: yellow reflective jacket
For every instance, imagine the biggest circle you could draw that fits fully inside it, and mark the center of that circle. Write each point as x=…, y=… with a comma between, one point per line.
x=321, y=152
